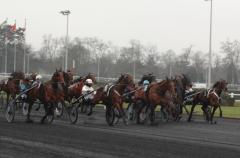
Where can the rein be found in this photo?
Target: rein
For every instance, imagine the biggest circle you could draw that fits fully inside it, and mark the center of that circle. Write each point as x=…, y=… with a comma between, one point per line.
x=193, y=94
x=124, y=94
x=83, y=95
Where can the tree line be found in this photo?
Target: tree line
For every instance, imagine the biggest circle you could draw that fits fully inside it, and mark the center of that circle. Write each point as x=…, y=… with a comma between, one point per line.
x=95, y=55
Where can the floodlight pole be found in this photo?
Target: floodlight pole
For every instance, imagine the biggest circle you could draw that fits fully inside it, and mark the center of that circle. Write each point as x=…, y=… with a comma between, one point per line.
x=66, y=12
x=210, y=47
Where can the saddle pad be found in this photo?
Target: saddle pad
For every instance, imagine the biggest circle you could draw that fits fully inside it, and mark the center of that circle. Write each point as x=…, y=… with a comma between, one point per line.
x=107, y=89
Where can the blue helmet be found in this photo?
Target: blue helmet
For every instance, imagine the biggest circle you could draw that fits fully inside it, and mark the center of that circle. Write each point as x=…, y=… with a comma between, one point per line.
x=146, y=82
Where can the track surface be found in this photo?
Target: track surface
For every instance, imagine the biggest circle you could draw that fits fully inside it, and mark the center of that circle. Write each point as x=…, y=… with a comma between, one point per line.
x=91, y=137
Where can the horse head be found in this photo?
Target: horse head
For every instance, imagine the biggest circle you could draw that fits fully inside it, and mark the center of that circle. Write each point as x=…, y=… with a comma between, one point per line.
x=70, y=75
x=18, y=75
x=170, y=86
x=126, y=81
x=223, y=85
x=58, y=76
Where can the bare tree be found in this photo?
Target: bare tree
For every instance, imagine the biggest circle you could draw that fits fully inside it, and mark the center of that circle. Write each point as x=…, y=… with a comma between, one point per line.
x=232, y=52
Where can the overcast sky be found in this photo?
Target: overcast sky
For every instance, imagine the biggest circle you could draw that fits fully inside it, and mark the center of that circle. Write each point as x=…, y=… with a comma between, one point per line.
x=169, y=24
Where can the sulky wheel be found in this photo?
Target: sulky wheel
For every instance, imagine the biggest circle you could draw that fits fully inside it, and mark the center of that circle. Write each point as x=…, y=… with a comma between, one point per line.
x=10, y=111
x=73, y=114
x=2, y=102
x=141, y=113
x=25, y=107
x=110, y=115
x=131, y=114
x=50, y=116
x=59, y=109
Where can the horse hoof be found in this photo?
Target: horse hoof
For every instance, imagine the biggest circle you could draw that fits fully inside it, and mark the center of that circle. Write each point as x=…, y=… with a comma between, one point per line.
x=42, y=121
x=29, y=121
x=125, y=122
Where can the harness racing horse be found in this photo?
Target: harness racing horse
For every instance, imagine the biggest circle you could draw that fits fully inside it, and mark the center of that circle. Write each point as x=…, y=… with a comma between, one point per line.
x=12, y=88
x=182, y=83
x=50, y=94
x=164, y=94
x=139, y=103
x=136, y=98
x=211, y=98
x=111, y=96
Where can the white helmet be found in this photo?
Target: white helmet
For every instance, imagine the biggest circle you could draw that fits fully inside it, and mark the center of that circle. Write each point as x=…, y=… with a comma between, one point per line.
x=89, y=81
x=38, y=77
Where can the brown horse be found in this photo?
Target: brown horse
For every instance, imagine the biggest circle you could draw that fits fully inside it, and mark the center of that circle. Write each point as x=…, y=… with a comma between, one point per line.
x=49, y=93
x=139, y=103
x=164, y=94
x=111, y=96
x=11, y=87
x=53, y=92
x=211, y=98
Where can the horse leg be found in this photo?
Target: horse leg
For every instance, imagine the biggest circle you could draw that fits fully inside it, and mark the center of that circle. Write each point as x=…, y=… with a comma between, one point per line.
x=28, y=114
x=184, y=106
x=46, y=112
x=212, y=114
x=191, y=112
x=220, y=111
x=122, y=114
x=38, y=107
x=152, y=114
x=8, y=98
x=90, y=105
x=206, y=110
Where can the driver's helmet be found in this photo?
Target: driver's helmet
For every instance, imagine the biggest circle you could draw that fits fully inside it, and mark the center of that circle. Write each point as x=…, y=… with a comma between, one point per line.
x=89, y=82
x=146, y=82
x=38, y=77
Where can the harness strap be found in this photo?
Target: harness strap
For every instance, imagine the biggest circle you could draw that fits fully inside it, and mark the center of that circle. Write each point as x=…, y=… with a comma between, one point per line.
x=216, y=94
x=115, y=91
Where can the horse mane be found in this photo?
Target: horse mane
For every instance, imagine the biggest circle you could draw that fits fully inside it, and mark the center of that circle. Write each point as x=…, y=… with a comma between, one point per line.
x=120, y=78
x=66, y=78
x=79, y=79
x=160, y=90
x=216, y=84
x=187, y=79
x=17, y=75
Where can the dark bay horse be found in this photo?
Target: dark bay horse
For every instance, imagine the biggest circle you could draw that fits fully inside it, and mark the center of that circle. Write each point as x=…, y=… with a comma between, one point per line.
x=182, y=83
x=111, y=96
x=209, y=98
x=164, y=94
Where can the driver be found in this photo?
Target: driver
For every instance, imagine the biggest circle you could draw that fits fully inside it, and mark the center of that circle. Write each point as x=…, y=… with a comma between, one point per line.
x=146, y=84
x=87, y=91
